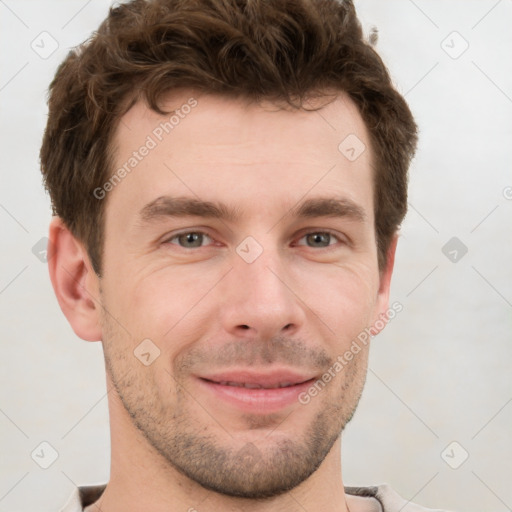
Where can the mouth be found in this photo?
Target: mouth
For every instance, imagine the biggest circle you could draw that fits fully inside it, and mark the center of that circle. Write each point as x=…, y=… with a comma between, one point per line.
x=249, y=385
x=252, y=392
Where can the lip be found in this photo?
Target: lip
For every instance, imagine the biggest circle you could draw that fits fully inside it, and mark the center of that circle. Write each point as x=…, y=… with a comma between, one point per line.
x=256, y=400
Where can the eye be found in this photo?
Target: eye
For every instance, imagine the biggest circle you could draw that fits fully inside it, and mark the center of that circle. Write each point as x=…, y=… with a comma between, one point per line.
x=320, y=239
x=197, y=239
x=189, y=239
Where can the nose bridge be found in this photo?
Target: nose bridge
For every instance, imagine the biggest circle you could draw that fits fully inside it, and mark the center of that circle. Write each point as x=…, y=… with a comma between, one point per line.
x=259, y=296
x=265, y=283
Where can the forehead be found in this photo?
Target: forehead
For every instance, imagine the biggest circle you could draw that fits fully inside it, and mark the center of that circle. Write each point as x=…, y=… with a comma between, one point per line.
x=209, y=146
x=223, y=120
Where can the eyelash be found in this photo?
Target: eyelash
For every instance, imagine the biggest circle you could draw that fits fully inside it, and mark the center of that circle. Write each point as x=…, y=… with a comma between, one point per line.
x=198, y=232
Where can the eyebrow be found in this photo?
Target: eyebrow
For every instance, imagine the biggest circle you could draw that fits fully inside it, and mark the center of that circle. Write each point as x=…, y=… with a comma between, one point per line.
x=169, y=206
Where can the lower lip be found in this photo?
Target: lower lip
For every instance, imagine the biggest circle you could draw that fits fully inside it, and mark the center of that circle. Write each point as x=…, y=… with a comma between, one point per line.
x=263, y=401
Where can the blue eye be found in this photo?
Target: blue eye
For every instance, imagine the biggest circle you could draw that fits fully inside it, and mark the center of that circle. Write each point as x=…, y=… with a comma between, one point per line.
x=190, y=240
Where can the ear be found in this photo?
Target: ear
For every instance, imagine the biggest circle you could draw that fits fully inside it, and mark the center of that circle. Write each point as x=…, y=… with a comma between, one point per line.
x=74, y=281
x=382, y=303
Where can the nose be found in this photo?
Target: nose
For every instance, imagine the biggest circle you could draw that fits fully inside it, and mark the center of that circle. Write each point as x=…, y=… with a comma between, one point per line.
x=258, y=299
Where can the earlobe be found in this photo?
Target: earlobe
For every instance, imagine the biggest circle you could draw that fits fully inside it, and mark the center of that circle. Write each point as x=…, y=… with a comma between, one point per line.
x=75, y=283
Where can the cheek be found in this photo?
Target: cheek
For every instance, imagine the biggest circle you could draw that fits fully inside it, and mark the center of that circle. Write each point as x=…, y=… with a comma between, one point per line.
x=344, y=299
x=162, y=303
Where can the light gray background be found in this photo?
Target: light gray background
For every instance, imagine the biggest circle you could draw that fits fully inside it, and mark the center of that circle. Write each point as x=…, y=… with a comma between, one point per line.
x=441, y=370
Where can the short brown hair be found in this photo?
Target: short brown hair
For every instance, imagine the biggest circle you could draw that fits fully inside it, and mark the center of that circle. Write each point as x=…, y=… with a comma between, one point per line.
x=257, y=49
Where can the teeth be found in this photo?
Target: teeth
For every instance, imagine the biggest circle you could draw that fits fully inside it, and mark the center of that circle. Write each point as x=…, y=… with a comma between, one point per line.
x=251, y=386
x=254, y=386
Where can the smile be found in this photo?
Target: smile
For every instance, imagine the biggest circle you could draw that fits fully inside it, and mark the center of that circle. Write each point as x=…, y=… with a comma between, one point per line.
x=262, y=393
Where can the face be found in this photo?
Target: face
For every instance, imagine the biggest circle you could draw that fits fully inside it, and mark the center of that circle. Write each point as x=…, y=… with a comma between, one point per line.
x=239, y=264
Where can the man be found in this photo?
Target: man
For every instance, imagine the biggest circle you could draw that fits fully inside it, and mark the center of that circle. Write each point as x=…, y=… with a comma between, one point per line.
x=228, y=179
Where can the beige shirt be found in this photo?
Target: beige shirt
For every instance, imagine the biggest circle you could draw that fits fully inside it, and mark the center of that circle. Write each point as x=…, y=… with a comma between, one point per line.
x=380, y=498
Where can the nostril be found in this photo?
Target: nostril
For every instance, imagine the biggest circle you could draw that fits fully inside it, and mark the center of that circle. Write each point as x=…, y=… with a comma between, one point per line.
x=244, y=326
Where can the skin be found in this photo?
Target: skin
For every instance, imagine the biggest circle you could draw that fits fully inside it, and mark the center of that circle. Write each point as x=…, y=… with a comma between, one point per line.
x=300, y=304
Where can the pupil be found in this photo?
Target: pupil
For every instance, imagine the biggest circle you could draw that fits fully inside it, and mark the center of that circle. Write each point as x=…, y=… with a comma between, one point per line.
x=320, y=238
x=192, y=239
